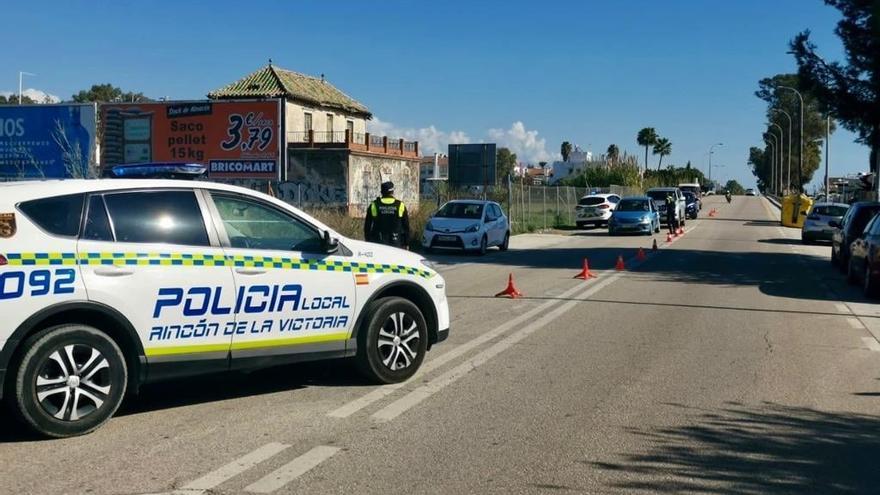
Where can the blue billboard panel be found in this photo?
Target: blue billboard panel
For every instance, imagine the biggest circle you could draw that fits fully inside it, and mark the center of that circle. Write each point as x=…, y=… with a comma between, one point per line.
x=46, y=141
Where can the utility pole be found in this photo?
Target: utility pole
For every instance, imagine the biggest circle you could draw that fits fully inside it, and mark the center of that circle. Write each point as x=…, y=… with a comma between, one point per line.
x=827, y=150
x=781, y=142
x=801, y=152
x=790, y=123
x=710, y=161
x=773, y=147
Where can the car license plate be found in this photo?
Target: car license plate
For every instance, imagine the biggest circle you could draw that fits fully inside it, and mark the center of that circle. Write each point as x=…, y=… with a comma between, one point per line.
x=449, y=238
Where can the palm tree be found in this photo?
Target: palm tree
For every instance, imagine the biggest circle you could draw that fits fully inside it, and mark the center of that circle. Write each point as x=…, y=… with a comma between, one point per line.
x=663, y=148
x=613, y=153
x=565, y=150
x=647, y=137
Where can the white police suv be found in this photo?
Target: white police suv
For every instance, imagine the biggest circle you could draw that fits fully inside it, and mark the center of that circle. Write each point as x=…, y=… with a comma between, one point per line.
x=109, y=284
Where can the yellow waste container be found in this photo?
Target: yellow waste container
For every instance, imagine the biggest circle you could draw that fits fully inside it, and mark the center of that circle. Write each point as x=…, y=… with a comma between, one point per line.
x=794, y=210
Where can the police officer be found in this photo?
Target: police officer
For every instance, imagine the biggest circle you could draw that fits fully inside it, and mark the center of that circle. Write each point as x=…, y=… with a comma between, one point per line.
x=387, y=221
x=671, y=212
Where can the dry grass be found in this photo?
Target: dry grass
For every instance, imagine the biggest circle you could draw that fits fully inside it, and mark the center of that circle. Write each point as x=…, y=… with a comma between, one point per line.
x=353, y=227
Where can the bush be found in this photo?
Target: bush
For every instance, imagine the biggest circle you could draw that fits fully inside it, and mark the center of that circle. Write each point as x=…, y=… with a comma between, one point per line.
x=353, y=227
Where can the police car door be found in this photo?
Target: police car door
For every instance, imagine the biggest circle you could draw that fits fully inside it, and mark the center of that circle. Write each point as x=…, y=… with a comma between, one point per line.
x=292, y=299
x=156, y=259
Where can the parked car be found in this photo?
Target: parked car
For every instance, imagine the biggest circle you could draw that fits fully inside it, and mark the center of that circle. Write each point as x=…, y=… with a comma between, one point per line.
x=467, y=225
x=658, y=195
x=864, y=260
x=751, y=192
x=635, y=214
x=595, y=209
x=817, y=225
x=691, y=187
x=845, y=231
x=692, y=204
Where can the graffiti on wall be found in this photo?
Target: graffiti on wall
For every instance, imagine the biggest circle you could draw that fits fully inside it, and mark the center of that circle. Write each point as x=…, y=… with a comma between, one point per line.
x=369, y=172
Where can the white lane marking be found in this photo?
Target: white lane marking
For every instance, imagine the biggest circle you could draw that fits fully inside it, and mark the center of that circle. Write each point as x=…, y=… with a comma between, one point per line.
x=292, y=470
x=380, y=393
x=842, y=308
x=421, y=393
x=232, y=469
x=854, y=322
x=871, y=343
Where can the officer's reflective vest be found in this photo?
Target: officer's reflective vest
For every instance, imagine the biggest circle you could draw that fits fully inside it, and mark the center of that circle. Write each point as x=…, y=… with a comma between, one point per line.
x=387, y=214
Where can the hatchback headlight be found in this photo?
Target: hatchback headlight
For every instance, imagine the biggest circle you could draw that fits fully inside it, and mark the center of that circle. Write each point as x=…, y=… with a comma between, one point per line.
x=646, y=219
x=473, y=228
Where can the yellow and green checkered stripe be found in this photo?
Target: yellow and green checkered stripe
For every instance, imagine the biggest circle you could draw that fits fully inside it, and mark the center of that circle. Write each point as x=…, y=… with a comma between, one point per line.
x=188, y=259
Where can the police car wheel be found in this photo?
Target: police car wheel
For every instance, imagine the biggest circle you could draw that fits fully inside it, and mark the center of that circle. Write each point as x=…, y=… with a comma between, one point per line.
x=392, y=345
x=71, y=380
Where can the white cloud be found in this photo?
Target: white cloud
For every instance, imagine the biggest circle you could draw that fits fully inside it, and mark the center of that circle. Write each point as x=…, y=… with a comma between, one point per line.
x=431, y=140
x=34, y=94
x=526, y=144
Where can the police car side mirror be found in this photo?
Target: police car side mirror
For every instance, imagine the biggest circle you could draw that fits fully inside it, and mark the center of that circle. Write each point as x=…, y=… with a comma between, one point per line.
x=330, y=244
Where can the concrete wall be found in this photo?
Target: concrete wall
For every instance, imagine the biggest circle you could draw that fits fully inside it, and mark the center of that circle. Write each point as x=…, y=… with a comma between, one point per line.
x=295, y=119
x=368, y=172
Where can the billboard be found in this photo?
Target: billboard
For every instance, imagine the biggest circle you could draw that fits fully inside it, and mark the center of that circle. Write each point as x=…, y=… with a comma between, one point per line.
x=46, y=141
x=234, y=139
x=472, y=164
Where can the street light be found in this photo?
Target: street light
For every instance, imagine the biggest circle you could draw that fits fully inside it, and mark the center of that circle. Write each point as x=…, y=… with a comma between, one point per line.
x=783, y=112
x=773, y=147
x=781, y=144
x=801, y=152
x=20, y=74
x=710, y=161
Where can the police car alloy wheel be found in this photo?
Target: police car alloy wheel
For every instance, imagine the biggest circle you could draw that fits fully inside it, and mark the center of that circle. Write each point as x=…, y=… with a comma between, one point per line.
x=393, y=342
x=71, y=380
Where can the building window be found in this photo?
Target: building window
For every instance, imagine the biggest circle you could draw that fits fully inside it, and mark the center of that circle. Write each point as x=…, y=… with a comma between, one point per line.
x=329, y=124
x=349, y=124
x=307, y=121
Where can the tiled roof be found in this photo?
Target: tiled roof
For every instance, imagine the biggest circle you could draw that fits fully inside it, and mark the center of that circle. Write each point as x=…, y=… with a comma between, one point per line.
x=274, y=82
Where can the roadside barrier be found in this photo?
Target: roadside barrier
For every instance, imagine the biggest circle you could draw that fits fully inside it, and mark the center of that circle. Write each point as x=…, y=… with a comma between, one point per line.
x=585, y=272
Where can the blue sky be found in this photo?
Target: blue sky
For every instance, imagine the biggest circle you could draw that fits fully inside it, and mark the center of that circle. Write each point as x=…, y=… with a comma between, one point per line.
x=525, y=74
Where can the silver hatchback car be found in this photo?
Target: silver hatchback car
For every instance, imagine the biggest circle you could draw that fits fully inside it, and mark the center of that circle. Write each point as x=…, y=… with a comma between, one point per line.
x=816, y=226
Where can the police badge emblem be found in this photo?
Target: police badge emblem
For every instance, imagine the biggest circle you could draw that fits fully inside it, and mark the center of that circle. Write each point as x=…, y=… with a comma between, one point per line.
x=7, y=224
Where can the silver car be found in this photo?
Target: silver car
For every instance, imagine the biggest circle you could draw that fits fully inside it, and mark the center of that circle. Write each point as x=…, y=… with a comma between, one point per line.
x=816, y=225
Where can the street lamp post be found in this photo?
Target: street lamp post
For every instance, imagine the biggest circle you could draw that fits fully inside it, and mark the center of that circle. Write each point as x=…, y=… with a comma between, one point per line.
x=22, y=73
x=801, y=152
x=773, y=147
x=711, y=148
x=781, y=143
x=783, y=112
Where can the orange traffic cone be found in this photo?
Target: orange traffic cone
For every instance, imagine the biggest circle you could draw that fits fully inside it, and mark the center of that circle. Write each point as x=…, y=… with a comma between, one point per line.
x=620, y=265
x=585, y=272
x=641, y=255
x=511, y=290
x=654, y=247
x=680, y=231
x=668, y=237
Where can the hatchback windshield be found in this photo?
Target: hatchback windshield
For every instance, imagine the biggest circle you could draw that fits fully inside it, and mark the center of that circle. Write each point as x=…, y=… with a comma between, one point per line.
x=830, y=210
x=461, y=210
x=633, y=205
x=591, y=201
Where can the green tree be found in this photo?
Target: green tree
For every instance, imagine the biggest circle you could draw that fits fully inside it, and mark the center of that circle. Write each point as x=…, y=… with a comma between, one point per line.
x=613, y=153
x=851, y=91
x=814, y=125
x=760, y=161
x=734, y=187
x=565, y=150
x=662, y=147
x=647, y=137
x=505, y=161
x=13, y=99
x=103, y=93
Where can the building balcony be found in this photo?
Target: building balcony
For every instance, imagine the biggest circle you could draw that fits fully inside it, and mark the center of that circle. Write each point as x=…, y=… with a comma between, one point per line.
x=353, y=141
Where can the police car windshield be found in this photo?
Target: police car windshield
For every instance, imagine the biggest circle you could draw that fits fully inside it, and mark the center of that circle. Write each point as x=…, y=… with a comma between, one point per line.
x=461, y=210
x=633, y=205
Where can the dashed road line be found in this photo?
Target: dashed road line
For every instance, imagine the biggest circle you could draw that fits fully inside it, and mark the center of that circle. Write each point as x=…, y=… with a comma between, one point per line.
x=232, y=469
x=292, y=470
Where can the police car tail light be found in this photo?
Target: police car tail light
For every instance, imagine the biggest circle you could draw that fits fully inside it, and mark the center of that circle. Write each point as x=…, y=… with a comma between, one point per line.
x=3, y=260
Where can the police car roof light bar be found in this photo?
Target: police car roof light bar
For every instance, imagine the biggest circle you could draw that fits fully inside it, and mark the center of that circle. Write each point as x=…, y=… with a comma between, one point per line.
x=166, y=170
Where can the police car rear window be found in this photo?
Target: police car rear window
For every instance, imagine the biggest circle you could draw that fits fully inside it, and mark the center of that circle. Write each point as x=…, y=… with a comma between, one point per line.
x=59, y=215
x=167, y=217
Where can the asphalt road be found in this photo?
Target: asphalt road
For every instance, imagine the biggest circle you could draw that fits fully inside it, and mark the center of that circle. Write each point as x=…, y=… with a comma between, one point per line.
x=733, y=360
